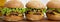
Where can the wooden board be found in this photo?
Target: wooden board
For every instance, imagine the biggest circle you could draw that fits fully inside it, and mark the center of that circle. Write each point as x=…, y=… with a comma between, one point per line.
x=44, y=20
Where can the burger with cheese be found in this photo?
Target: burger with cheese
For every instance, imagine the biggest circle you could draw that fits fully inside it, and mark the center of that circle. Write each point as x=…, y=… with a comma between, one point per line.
x=53, y=10
x=13, y=11
x=35, y=10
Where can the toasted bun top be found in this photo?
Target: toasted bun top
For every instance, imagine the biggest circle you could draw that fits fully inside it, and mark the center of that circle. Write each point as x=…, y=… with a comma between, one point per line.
x=53, y=4
x=34, y=4
x=14, y=4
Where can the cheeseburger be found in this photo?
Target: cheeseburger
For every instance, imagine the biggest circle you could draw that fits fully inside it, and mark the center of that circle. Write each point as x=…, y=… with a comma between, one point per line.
x=53, y=10
x=13, y=11
x=35, y=10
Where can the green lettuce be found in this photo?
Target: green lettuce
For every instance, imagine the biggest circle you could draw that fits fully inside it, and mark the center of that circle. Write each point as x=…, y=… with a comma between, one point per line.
x=43, y=10
x=51, y=8
x=58, y=10
x=8, y=10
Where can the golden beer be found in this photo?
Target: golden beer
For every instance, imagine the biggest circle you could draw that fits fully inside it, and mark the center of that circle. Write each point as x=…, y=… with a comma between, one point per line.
x=2, y=2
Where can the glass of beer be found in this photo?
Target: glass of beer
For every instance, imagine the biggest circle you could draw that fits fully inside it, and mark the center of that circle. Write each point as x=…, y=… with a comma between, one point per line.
x=2, y=2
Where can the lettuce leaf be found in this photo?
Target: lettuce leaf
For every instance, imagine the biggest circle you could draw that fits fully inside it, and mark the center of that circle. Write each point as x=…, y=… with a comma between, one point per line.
x=43, y=10
x=8, y=10
x=4, y=10
x=51, y=8
x=58, y=10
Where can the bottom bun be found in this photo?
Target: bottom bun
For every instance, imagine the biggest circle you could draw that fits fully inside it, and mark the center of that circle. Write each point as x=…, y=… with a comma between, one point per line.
x=34, y=17
x=53, y=17
x=13, y=18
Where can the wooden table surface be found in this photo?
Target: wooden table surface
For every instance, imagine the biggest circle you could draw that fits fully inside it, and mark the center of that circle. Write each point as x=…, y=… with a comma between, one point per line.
x=44, y=20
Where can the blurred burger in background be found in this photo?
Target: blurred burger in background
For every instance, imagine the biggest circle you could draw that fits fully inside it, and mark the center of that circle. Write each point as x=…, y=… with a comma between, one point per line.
x=35, y=10
x=13, y=11
x=53, y=10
